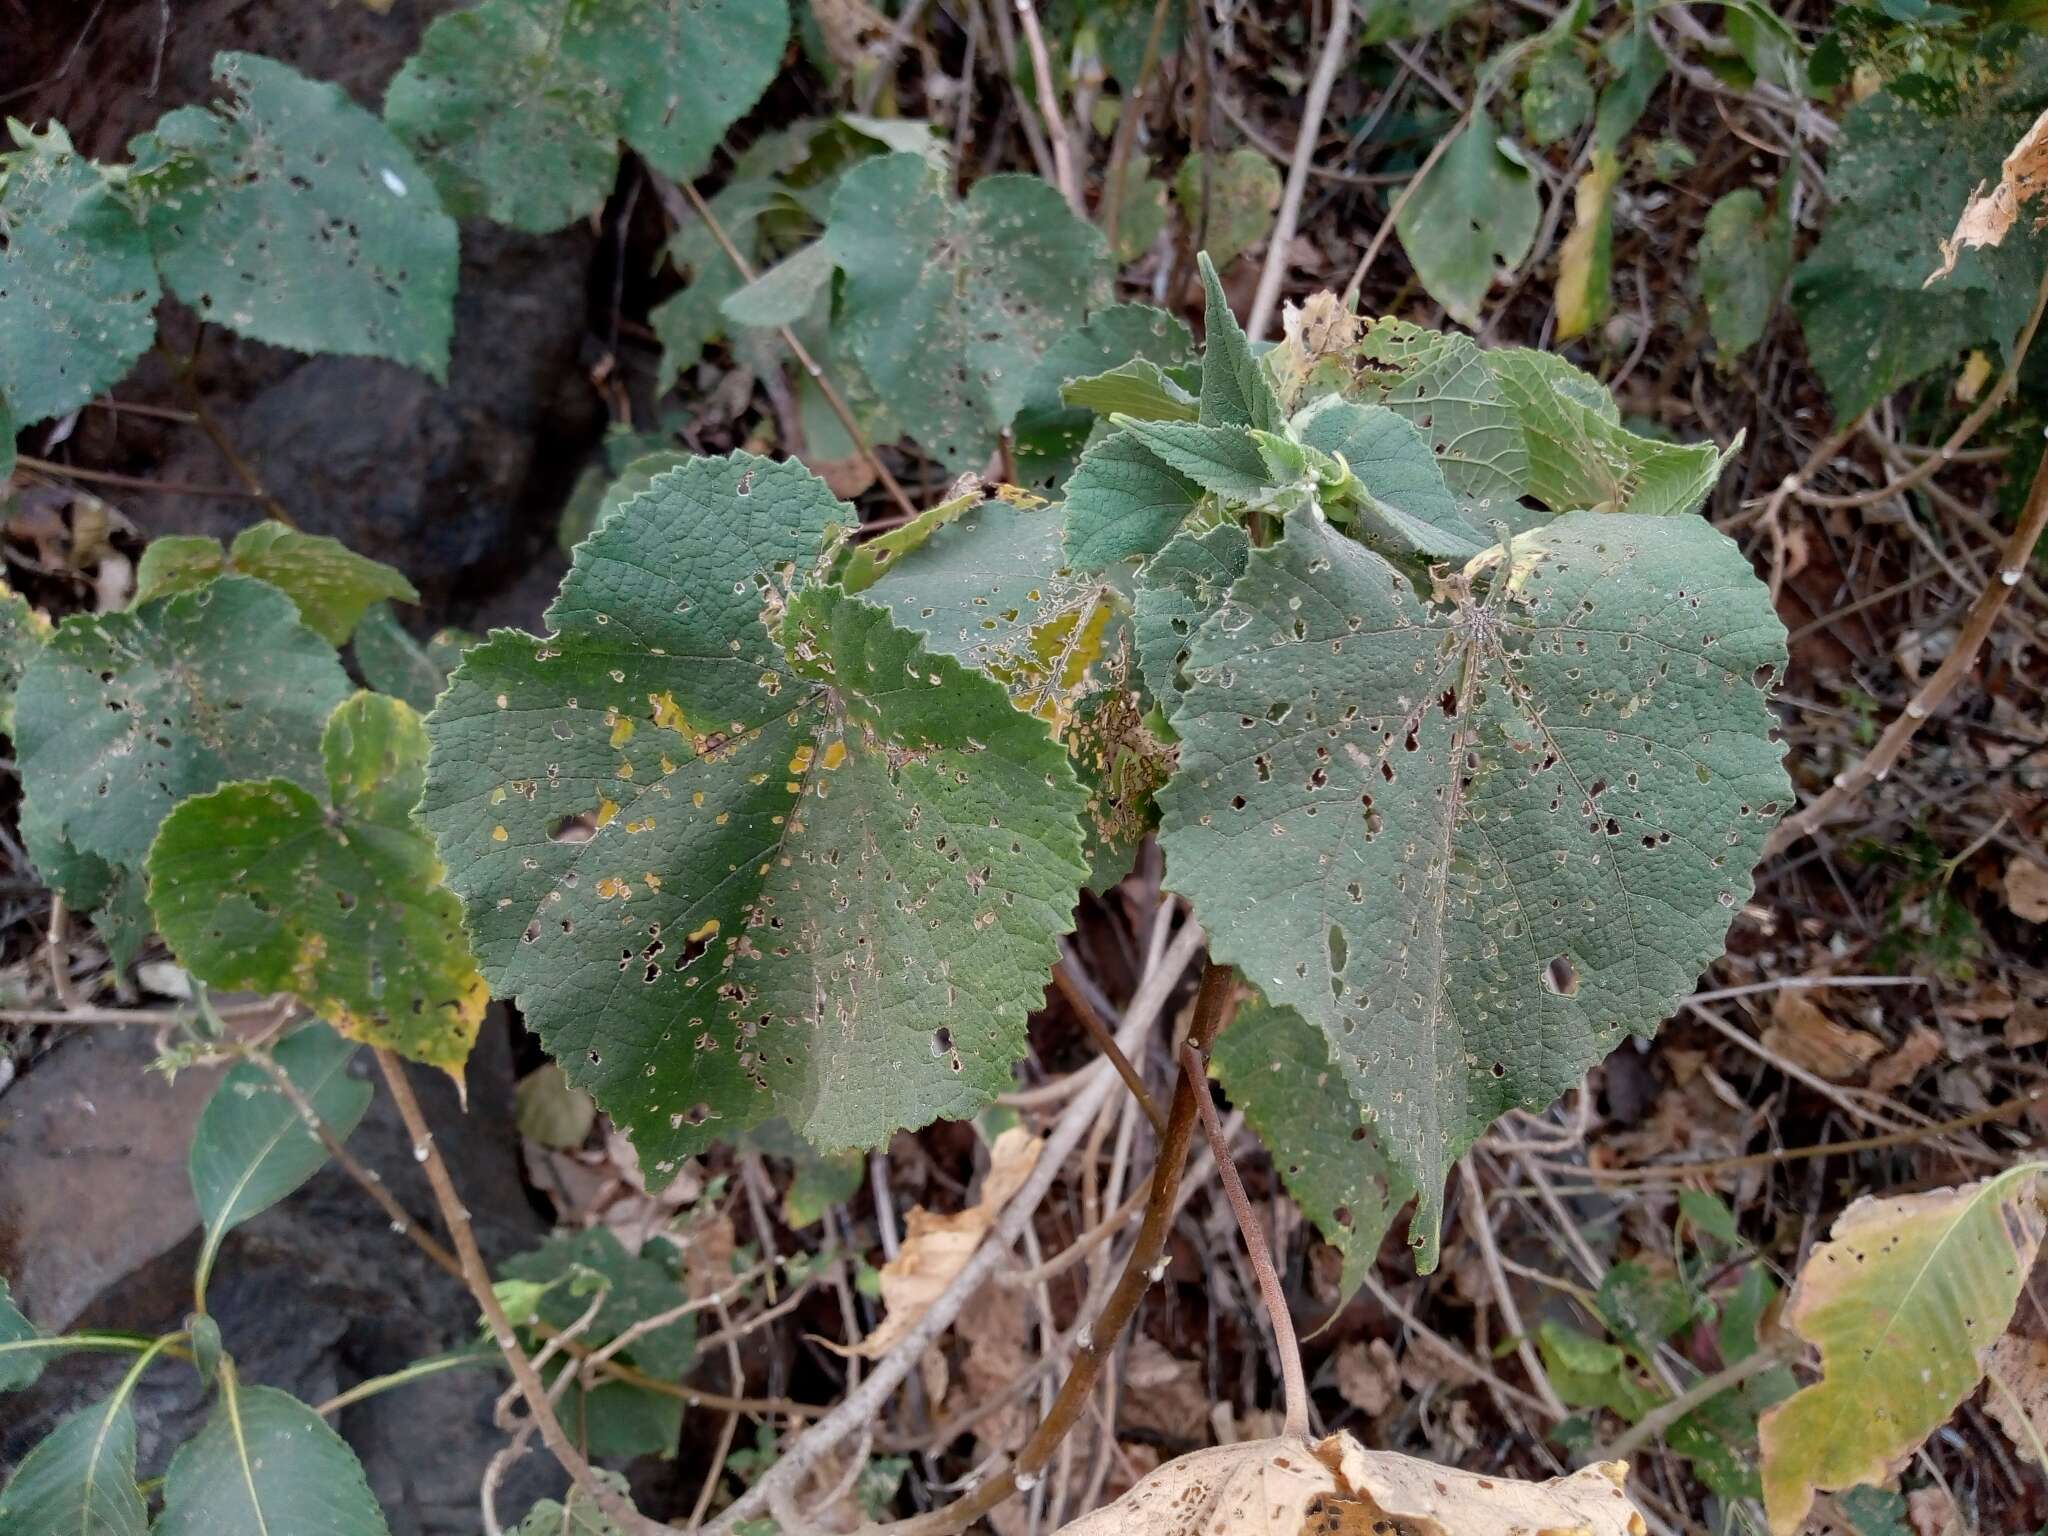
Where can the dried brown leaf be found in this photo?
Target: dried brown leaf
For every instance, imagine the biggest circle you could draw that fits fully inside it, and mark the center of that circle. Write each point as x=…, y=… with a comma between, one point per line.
x=2026, y=890
x=1806, y=1035
x=1336, y=1487
x=2021, y=1409
x=1989, y=216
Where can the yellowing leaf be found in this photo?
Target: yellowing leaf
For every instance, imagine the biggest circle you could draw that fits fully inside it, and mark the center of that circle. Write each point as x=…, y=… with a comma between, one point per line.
x=936, y=1248
x=1988, y=216
x=1903, y=1300
x=1335, y=1487
x=1583, y=261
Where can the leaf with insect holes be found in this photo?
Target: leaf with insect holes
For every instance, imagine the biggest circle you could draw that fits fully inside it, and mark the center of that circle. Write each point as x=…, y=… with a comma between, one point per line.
x=266, y=1463
x=123, y=715
x=331, y=584
x=1287, y=1487
x=949, y=304
x=1475, y=212
x=1745, y=253
x=23, y=634
x=1441, y=385
x=292, y=216
x=1177, y=589
x=742, y=846
x=78, y=291
x=1051, y=426
x=1581, y=458
x=80, y=1477
x=1276, y=1067
x=1478, y=839
x=337, y=900
x=1903, y=1301
x=509, y=119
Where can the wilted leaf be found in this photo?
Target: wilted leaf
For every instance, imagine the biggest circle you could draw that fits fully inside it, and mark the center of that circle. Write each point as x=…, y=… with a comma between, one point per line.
x=293, y=216
x=263, y=886
x=1475, y=213
x=1432, y=827
x=1277, y=1069
x=948, y=305
x=1988, y=216
x=250, y=1148
x=936, y=1248
x=2026, y=889
x=331, y=585
x=80, y=1478
x=1228, y=201
x=704, y=829
x=266, y=1463
x=1294, y=1488
x=77, y=289
x=1806, y=1034
x=1585, y=259
x=1903, y=1301
x=123, y=715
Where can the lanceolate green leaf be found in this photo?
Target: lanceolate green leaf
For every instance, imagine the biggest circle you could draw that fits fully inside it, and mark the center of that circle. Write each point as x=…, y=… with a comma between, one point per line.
x=1477, y=841
x=125, y=714
x=1121, y=501
x=1475, y=213
x=1902, y=1301
x=18, y=1367
x=80, y=1479
x=266, y=887
x=509, y=119
x=77, y=290
x=251, y=1148
x=266, y=1464
x=330, y=583
x=1235, y=390
x=948, y=305
x=1224, y=460
x=743, y=847
x=1277, y=1069
x=294, y=217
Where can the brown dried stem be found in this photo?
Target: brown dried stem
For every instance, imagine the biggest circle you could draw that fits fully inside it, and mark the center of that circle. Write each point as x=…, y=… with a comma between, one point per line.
x=1105, y=1042
x=1128, y=118
x=1962, y=657
x=673, y=195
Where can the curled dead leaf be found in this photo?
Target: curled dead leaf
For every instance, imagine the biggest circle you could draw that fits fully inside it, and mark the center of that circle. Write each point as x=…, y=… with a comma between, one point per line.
x=1989, y=216
x=1805, y=1034
x=1336, y=1487
x=2018, y=1400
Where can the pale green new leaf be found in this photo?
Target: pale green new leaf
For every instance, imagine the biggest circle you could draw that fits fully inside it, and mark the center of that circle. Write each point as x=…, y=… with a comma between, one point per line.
x=251, y=1148
x=123, y=715
x=79, y=1480
x=948, y=305
x=1477, y=841
x=1177, y=589
x=1052, y=425
x=330, y=584
x=1277, y=1069
x=266, y=1464
x=1121, y=501
x=741, y=853
x=511, y=122
x=1475, y=212
x=685, y=70
x=23, y=634
x=1902, y=1300
x=1580, y=456
x=1139, y=389
x=1235, y=389
x=77, y=289
x=1745, y=253
x=1441, y=385
x=293, y=216
x=1407, y=509
x=265, y=887
x=1228, y=201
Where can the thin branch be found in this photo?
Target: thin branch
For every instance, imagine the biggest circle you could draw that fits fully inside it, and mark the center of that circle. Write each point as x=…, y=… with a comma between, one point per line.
x=134, y=482
x=673, y=196
x=1105, y=1042
x=1066, y=177
x=1294, y=1388
x=859, y=1408
x=1510, y=1314
x=1386, y=229
x=1131, y=113
x=1214, y=1005
x=478, y=1278
x=1305, y=138
x=1667, y=1413
x=1962, y=657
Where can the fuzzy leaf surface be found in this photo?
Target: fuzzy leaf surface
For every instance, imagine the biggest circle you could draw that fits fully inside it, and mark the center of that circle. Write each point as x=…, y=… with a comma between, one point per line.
x=949, y=304
x=202, y=688
x=1440, y=384
x=79, y=1478
x=78, y=291
x=1122, y=501
x=266, y=1463
x=1177, y=589
x=1477, y=842
x=293, y=216
x=264, y=887
x=1902, y=1300
x=744, y=847
x=1052, y=426
x=331, y=585
x=1407, y=509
